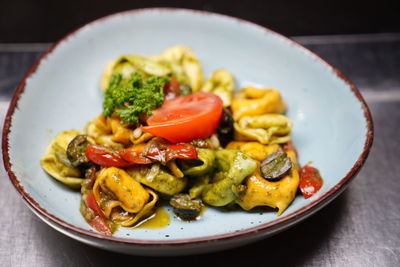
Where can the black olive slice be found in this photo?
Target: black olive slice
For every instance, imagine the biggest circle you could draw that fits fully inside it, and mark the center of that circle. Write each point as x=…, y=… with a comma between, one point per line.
x=76, y=150
x=185, y=207
x=275, y=166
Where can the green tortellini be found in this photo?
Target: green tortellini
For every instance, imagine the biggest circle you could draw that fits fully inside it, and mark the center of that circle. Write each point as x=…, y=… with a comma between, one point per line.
x=198, y=185
x=56, y=163
x=158, y=179
x=232, y=167
x=221, y=83
x=207, y=158
x=184, y=65
x=178, y=61
x=266, y=129
x=199, y=173
x=128, y=64
x=218, y=179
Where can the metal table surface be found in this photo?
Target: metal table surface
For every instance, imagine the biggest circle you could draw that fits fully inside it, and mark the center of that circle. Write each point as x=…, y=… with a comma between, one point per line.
x=359, y=228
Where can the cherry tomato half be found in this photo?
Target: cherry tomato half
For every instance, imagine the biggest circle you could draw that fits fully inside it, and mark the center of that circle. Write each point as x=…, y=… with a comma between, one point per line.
x=310, y=181
x=186, y=118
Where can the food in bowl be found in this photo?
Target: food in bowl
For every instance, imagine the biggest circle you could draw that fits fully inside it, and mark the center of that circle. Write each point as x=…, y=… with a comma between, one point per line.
x=166, y=132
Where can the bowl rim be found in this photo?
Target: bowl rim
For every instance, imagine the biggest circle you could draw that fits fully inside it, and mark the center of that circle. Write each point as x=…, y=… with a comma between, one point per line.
x=275, y=224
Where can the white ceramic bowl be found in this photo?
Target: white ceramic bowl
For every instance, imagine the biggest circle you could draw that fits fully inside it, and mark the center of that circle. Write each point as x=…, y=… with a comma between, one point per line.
x=332, y=123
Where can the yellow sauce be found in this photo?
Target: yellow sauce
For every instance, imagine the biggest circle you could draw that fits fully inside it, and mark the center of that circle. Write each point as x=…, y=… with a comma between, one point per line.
x=160, y=219
x=203, y=209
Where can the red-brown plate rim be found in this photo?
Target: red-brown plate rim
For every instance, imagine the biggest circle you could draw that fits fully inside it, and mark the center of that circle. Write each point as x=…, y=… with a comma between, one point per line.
x=278, y=223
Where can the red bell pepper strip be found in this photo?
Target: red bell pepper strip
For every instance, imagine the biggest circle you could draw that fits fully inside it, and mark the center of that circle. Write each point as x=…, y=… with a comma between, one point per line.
x=105, y=157
x=92, y=204
x=180, y=151
x=155, y=150
x=160, y=151
x=310, y=181
x=163, y=151
x=134, y=155
x=172, y=89
x=100, y=224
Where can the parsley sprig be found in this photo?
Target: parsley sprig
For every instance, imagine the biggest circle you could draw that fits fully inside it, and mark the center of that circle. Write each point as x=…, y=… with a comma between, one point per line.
x=134, y=96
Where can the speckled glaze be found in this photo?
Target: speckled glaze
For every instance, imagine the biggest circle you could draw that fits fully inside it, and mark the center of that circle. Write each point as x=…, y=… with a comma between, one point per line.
x=332, y=124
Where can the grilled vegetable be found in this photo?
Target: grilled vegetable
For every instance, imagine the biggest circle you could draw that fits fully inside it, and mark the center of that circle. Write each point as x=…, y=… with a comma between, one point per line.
x=225, y=128
x=76, y=150
x=105, y=157
x=275, y=166
x=310, y=181
x=185, y=207
x=160, y=150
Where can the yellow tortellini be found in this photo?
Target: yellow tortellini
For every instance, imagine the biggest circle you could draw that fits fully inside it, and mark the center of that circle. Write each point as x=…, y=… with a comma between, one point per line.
x=221, y=83
x=111, y=132
x=253, y=101
x=56, y=163
x=100, y=130
x=115, y=190
x=255, y=150
x=266, y=129
x=261, y=192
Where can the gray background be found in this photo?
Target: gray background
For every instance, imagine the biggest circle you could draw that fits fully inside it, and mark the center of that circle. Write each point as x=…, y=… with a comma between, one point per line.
x=360, y=228
x=49, y=20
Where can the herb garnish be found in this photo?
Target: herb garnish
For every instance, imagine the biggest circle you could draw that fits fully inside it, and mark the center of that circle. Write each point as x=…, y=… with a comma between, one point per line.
x=134, y=96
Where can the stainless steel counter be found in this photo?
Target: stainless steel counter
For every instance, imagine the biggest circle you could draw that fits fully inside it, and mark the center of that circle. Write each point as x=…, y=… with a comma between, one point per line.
x=359, y=228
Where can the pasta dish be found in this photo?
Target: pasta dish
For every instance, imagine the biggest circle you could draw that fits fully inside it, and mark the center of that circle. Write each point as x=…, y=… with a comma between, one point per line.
x=166, y=132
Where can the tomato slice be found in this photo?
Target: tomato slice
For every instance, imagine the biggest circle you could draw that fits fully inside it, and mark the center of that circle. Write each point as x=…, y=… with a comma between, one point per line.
x=310, y=181
x=185, y=118
x=105, y=156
